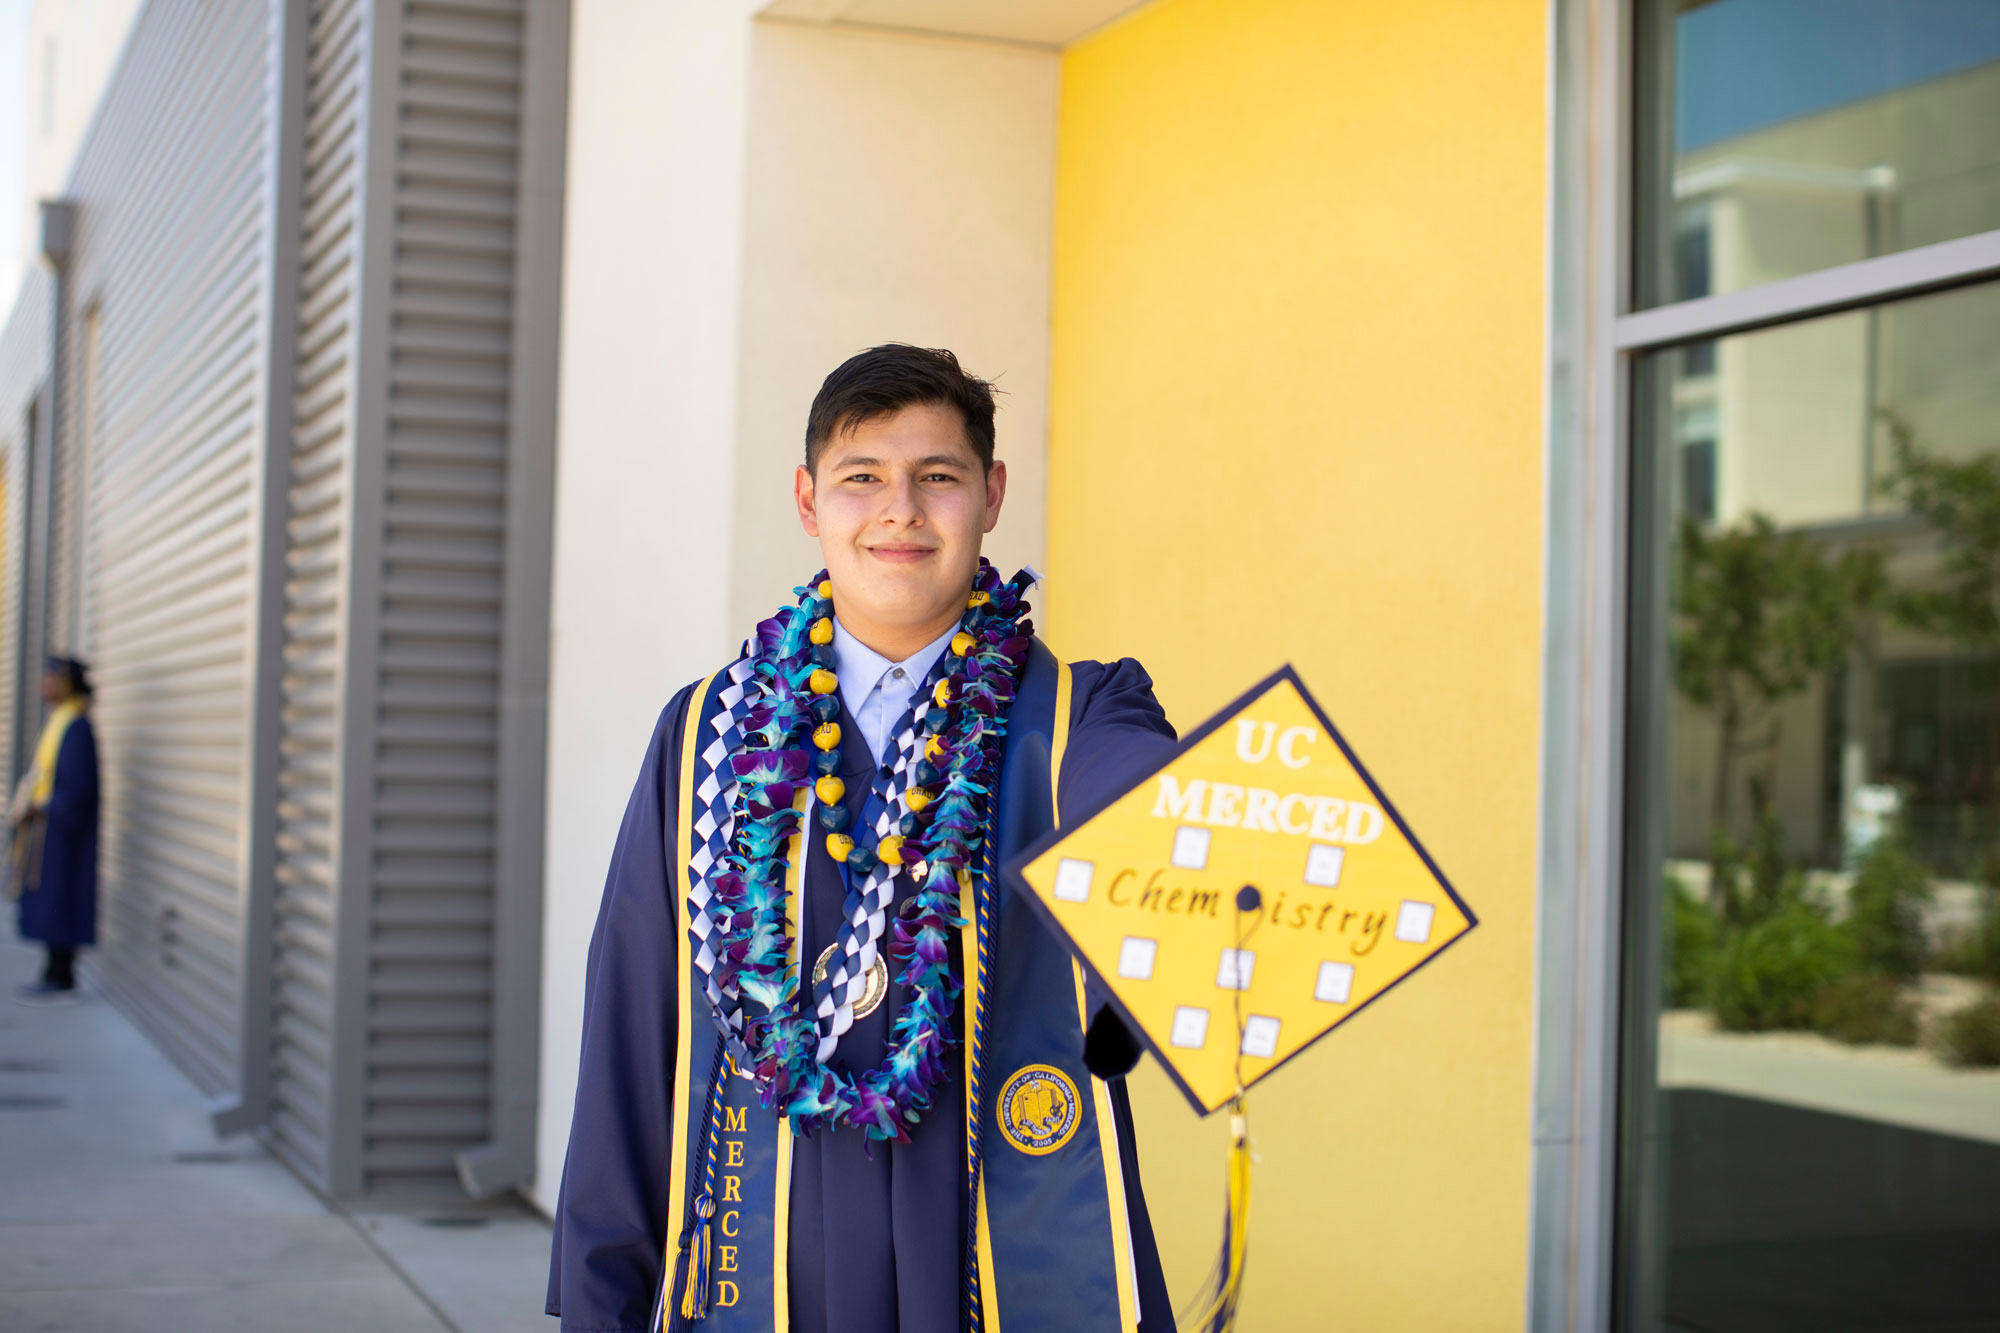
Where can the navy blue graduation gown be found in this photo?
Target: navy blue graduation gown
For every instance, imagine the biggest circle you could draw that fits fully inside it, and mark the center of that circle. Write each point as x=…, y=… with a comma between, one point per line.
x=59, y=904
x=876, y=1233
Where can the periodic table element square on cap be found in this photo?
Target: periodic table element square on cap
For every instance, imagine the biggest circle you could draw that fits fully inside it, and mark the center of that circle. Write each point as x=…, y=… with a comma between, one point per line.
x=1146, y=891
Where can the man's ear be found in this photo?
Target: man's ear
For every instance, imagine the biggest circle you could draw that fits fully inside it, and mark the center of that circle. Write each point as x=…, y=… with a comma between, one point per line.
x=996, y=491
x=802, y=494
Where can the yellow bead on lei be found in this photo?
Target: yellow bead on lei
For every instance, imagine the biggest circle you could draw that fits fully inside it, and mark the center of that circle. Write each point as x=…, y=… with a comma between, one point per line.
x=829, y=789
x=942, y=694
x=822, y=681
x=825, y=588
x=838, y=845
x=890, y=849
x=961, y=643
x=821, y=631
x=978, y=599
x=934, y=747
x=917, y=798
x=826, y=735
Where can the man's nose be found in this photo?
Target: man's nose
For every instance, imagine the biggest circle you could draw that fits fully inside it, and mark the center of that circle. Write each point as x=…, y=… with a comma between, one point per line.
x=903, y=503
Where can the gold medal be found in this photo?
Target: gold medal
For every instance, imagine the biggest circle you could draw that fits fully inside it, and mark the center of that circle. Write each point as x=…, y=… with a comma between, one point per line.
x=874, y=987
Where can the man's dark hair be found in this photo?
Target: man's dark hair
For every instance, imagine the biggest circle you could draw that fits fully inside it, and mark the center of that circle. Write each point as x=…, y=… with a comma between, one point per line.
x=886, y=379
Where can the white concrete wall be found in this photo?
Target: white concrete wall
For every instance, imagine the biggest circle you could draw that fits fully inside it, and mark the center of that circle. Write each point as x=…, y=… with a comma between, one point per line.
x=71, y=49
x=749, y=202
x=900, y=189
x=651, y=281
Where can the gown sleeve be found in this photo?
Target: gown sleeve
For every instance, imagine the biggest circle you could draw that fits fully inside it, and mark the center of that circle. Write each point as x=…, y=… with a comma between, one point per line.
x=1118, y=734
x=613, y=1212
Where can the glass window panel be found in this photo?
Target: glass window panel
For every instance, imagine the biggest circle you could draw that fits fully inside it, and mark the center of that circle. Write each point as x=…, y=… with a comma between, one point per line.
x=1812, y=946
x=1777, y=137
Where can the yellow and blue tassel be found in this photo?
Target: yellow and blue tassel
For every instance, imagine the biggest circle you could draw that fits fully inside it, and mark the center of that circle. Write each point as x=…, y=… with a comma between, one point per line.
x=700, y=1242
x=1225, y=1291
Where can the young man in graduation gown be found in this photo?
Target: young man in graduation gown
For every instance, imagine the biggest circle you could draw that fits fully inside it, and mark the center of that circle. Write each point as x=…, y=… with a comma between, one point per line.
x=54, y=866
x=835, y=1076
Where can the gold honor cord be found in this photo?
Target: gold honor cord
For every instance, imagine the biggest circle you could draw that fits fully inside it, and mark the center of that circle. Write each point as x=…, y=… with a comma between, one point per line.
x=683, y=1089
x=1224, y=1289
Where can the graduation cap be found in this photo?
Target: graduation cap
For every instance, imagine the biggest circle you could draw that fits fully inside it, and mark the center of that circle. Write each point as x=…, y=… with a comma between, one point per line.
x=1239, y=903
x=1248, y=897
x=74, y=670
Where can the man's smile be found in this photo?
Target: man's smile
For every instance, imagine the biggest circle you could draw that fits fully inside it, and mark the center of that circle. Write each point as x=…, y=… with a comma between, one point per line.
x=901, y=553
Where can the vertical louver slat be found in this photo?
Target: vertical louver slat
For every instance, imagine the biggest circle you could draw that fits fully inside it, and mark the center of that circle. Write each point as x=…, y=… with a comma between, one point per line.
x=430, y=983
x=316, y=557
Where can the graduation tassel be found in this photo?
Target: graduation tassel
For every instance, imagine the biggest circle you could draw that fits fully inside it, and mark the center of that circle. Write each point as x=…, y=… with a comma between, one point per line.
x=1236, y=1221
x=1218, y=1307
x=694, y=1284
x=1217, y=1310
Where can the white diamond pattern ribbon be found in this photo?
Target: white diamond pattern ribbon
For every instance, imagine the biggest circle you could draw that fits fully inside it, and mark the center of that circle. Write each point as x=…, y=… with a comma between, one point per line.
x=714, y=825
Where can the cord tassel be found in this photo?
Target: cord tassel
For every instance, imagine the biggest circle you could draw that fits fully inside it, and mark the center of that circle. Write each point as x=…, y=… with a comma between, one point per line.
x=694, y=1286
x=694, y=1290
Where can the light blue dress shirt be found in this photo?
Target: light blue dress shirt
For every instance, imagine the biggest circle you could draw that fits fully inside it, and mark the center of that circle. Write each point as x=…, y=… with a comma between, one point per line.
x=877, y=690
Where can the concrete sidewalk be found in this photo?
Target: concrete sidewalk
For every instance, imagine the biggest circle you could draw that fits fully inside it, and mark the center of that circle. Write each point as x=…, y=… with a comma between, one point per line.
x=119, y=1209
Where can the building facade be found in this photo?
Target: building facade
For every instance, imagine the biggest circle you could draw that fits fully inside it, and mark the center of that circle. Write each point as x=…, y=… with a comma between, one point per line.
x=1591, y=399
x=283, y=478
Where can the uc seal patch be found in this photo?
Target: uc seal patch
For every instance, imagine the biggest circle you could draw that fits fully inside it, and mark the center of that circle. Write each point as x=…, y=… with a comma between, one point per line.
x=1039, y=1109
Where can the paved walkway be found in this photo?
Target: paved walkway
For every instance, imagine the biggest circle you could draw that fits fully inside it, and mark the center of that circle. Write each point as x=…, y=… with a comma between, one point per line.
x=119, y=1209
x=1896, y=1085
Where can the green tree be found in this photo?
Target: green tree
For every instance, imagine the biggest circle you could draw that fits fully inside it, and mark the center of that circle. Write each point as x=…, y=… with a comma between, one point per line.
x=1757, y=615
x=1960, y=501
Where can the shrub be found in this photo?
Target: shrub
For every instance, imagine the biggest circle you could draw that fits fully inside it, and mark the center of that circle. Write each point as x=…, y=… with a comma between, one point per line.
x=1769, y=974
x=1885, y=912
x=1976, y=952
x=1862, y=1008
x=1749, y=885
x=1963, y=953
x=1971, y=1036
x=1691, y=929
x=1986, y=936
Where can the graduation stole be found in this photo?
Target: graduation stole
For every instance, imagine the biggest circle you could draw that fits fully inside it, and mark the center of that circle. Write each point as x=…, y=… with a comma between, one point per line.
x=730, y=1176
x=50, y=747
x=776, y=751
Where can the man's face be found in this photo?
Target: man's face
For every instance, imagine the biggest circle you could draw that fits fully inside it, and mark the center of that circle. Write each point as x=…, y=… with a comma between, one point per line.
x=899, y=505
x=55, y=687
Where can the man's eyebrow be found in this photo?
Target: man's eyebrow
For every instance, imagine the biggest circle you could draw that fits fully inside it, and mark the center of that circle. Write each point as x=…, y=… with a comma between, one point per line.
x=928, y=460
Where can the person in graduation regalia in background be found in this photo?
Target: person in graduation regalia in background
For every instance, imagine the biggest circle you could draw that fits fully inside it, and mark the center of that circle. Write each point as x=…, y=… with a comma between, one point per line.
x=835, y=1076
x=54, y=862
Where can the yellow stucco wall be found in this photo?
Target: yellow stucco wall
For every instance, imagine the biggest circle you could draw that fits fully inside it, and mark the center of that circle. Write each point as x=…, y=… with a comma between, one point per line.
x=1296, y=415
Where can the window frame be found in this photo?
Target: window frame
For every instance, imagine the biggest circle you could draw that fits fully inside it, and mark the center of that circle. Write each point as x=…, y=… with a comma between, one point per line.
x=1594, y=338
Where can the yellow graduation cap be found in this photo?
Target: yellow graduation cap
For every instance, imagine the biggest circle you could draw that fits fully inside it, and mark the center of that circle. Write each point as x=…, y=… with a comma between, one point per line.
x=1248, y=897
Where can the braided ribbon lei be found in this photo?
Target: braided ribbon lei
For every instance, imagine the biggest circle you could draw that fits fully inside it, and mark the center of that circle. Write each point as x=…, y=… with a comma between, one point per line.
x=791, y=737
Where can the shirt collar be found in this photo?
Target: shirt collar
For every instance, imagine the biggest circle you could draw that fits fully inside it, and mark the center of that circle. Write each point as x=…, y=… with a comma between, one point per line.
x=861, y=668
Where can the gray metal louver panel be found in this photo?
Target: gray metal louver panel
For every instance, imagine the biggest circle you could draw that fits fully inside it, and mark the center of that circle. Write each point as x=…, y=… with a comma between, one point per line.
x=24, y=359
x=154, y=538
x=306, y=893
x=429, y=1053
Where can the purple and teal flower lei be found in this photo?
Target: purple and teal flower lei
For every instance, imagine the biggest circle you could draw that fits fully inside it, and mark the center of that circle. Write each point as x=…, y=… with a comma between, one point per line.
x=982, y=672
